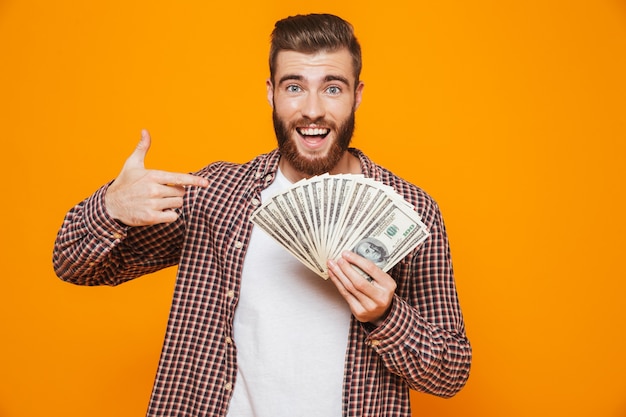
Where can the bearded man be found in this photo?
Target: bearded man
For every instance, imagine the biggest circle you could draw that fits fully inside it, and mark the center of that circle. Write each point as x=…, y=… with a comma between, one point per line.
x=253, y=332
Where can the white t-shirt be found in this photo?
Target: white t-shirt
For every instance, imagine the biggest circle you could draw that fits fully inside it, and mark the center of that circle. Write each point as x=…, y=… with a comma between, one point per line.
x=291, y=332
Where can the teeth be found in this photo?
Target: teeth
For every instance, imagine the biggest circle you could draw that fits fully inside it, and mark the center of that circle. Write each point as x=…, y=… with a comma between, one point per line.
x=313, y=131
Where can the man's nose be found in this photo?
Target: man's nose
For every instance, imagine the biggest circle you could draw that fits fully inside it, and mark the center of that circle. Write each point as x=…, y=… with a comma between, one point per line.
x=313, y=107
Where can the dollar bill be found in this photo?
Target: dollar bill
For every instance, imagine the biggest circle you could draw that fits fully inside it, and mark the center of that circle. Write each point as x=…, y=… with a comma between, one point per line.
x=318, y=218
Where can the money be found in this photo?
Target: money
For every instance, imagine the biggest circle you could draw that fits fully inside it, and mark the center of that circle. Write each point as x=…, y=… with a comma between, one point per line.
x=318, y=218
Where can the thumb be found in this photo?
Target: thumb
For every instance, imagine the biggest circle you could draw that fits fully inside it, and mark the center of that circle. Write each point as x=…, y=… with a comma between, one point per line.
x=137, y=158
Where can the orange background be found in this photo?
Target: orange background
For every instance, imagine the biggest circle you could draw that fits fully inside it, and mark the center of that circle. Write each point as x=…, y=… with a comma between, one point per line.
x=511, y=114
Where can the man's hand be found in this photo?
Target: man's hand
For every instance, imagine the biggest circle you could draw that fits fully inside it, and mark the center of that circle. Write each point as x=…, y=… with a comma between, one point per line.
x=141, y=197
x=369, y=301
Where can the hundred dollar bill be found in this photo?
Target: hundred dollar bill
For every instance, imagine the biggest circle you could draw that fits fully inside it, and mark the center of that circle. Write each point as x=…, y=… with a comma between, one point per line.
x=312, y=192
x=296, y=218
x=371, y=212
x=360, y=205
x=274, y=219
x=344, y=191
x=284, y=239
x=303, y=234
x=304, y=210
x=389, y=237
x=317, y=218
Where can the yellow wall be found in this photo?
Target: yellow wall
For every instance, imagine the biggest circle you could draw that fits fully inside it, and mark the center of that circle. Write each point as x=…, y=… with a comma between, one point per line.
x=511, y=114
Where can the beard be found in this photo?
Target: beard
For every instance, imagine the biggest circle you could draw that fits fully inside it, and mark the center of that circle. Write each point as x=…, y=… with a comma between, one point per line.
x=316, y=165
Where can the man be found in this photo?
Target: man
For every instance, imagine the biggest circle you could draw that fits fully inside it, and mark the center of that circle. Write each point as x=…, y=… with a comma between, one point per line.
x=251, y=330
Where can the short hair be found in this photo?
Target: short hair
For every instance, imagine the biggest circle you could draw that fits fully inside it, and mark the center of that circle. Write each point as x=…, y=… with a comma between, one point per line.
x=314, y=33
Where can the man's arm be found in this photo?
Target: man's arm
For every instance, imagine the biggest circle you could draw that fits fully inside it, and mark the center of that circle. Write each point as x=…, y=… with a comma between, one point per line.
x=92, y=248
x=429, y=358
x=125, y=229
x=414, y=324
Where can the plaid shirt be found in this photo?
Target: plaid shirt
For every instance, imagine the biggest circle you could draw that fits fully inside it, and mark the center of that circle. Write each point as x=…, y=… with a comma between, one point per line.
x=421, y=345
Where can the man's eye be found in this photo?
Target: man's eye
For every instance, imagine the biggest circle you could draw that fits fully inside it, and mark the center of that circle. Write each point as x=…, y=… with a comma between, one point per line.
x=293, y=88
x=333, y=90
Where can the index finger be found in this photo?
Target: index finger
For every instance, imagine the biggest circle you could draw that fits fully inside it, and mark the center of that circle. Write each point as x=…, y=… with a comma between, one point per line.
x=180, y=179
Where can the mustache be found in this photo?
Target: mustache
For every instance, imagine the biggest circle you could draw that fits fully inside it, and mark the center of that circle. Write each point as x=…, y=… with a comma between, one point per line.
x=305, y=121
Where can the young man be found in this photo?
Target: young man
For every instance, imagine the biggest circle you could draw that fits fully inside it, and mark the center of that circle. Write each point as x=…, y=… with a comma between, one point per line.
x=252, y=331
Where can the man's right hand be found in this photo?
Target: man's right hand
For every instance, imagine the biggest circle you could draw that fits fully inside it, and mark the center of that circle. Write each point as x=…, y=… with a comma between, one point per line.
x=141, y=197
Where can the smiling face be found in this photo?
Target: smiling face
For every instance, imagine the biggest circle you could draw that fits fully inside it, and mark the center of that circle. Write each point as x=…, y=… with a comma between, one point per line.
x=314, y=97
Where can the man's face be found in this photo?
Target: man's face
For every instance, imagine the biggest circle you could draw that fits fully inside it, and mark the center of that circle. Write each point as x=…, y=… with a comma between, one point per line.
x=314, y=99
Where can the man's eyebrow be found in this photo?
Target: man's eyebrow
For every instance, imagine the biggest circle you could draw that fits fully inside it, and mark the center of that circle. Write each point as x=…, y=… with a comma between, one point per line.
x=328, y=78
x=290, y=77
x=339, y=78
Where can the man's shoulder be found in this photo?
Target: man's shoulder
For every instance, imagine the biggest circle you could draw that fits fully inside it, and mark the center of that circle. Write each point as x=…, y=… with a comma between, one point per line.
x=410, y=191
x=423, y=202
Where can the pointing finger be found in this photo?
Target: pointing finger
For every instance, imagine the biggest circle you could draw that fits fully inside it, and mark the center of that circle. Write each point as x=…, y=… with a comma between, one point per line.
x=183, y=180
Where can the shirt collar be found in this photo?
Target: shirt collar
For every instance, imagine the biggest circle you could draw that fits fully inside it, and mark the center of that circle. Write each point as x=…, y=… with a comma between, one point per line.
x=368, y=168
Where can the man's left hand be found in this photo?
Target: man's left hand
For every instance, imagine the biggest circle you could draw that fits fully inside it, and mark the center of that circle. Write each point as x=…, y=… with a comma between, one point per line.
x=369, y=301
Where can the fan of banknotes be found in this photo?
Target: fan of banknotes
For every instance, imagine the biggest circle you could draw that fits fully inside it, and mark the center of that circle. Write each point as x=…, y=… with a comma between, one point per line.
x=318, y=218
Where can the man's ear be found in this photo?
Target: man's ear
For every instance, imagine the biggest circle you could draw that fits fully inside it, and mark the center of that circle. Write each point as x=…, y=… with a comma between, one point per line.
x=270, y=92
x=358, y=94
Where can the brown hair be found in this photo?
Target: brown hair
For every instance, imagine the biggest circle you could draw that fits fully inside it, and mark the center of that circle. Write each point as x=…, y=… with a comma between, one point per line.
x=312, y=33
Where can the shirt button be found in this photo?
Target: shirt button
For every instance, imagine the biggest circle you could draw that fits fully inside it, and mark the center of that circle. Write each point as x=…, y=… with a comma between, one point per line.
x=238, y=244
x=258, y=175
x=117, y=235
x=269, y=178
x=228, y=386
x=375, y=342
x=255, y=202
x=230, y=294
x=229, y=341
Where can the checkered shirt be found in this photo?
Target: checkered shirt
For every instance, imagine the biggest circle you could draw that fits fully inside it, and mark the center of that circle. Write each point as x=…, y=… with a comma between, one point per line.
x=421, y=345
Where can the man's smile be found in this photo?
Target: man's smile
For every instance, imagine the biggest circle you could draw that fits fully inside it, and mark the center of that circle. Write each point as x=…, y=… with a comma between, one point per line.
x=313, y=132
